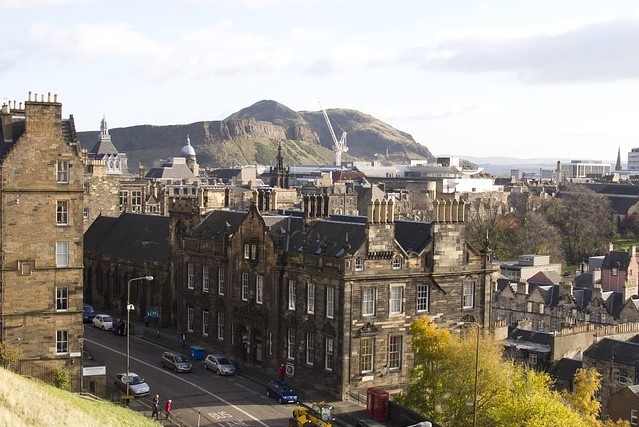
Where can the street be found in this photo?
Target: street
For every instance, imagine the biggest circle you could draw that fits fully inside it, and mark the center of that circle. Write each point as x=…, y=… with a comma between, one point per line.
x=217, y=400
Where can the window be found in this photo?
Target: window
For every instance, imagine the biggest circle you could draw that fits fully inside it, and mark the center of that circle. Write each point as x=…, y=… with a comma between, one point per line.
x=397, y=263
x=62, y=254
x=633, y=417
x=423, y=292
x=190, y=276
x=395, y=352
x=253, y=251
x=290, y=344
x=396, y=297
x=359, y=264
x=469, y=295
x=245, y=286
x=615, y=269
x=330, y=302
x=247, y=251
x=85, y=213
x=291, y=294
x=205, y=278
x=542, y=308
x=259, y=288
x=62, y=298
x=124, y=197
x=310, y=298
x=136, y=200
x=328, y=354
x=368, y=302
x=621, y=375
x=26, y=267
x=86, y=187
x=220, y=281
x=189, y=319
x=310, y=348
x=529, y=306
x=532, y=359
x=366, y=355
x=220, y=325
x=61, y=342
x=62, y=212
x=62, y=171
x=205, y=323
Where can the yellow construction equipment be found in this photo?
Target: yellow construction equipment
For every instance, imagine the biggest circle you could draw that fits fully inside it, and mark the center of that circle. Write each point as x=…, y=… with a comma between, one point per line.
x=320, y=414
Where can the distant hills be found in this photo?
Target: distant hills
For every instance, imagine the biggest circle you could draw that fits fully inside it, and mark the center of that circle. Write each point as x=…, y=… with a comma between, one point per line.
x=252, y=134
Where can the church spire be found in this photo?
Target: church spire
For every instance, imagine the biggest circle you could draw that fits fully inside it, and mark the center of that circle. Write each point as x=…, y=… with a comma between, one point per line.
x=104, y=128
x=618, y=165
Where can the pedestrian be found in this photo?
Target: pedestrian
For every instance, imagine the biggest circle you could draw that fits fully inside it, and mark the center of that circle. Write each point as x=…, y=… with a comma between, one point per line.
x=282, y=372
x=156, y=407
x=146, y=320
x=167, y=408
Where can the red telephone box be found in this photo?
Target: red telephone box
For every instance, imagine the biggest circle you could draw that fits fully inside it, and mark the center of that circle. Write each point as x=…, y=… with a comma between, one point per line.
x=377, y=404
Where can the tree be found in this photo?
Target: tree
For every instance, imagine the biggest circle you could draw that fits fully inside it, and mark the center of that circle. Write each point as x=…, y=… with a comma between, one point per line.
x=537, y=236
x=489, y=219
x=629, y=226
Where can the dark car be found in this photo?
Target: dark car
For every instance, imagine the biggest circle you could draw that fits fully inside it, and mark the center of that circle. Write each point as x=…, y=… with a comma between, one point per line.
x=281, y=391
x=119, y=327
x=175, y=361
x=87, y=313
x=137, y=385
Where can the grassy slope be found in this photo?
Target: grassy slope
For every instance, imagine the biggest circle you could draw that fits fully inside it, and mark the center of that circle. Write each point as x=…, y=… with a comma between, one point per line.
x=24, y=402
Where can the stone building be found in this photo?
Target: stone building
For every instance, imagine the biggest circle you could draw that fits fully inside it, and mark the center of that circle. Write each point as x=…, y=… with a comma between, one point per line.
x=333, y=297
x=41, y=205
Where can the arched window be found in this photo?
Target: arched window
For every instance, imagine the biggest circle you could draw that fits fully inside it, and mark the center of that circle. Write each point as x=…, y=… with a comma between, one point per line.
x=397, y=263
x=615, y=269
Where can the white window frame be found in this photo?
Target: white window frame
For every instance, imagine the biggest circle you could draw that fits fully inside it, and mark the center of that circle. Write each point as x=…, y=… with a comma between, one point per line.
x=532, y=359
x=245, y=286
x=190, y=276
x=62, y=171
x=359, y=263
x=62, y=212
x=253, y=251
x=85, y=213
x=395, y=344
x=468, y=297
x=330, y=302
x=397, y=263
x=61, y=341
x=221, y=281
x=247, y=251
x=61, y=298
x=259, y=289
x=368, y=301
x=310, y=298
x=542, y=308
x=189, y=319
x=367, y=354
x=396, y=300
x=205, y=323
x=634, y=417
x=292, y=287
x=290, y=344
x=220, y=325
x=205, y=278
x=529, y=306
x=310, y=348
x=136, y=199
x=423, y=298
x=62, y=253
x=328, y=353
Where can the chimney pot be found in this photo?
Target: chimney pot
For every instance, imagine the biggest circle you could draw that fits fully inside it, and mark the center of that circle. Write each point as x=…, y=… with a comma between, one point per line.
x=29, y=95
x=55, y=97
x=49, y=97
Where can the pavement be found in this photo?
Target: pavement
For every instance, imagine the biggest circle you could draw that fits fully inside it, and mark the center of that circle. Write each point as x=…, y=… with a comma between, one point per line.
x=346, y=413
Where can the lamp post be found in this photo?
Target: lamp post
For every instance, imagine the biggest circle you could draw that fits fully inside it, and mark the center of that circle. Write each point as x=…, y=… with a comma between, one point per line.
x=81, y=341
x=476, y=370
x=129, y=307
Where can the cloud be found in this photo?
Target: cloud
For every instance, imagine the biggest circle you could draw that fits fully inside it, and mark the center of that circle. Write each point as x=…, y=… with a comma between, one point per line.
x=435, y=113
x=600, y=51
x=33, y=4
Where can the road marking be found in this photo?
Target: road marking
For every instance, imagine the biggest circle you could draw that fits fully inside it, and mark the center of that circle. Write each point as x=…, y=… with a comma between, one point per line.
x=186, y=381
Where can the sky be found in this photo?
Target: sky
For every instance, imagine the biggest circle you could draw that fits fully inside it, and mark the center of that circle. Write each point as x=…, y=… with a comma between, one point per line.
x=524, y=79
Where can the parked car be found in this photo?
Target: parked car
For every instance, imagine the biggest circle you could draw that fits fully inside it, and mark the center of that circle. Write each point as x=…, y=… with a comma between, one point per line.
x=279, y=390
x=119, y=327
x=137, y=386
x=103, y=321
x=219, y=364
x=175, y=361
x=87, y=313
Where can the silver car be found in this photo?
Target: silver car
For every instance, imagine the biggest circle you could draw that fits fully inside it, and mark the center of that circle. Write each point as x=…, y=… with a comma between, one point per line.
x=175, y=361
x=137, y=385
x=219, y=364
x=103, y=321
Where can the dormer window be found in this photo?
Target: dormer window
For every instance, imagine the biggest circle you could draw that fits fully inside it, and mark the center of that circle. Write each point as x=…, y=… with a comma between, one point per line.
x=359, y=263
x=615, y=269
x=397, y=263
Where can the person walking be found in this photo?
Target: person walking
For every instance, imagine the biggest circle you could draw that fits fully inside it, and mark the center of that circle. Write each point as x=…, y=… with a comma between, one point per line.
x=156, y=407
x=282, y=372
x=168, y=408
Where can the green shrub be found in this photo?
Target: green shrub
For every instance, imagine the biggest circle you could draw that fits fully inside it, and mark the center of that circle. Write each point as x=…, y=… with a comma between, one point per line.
x=9, y=356
x=62, y=378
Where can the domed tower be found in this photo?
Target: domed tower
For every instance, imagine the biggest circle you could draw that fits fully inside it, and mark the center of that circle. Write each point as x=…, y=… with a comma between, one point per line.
x=189, y=154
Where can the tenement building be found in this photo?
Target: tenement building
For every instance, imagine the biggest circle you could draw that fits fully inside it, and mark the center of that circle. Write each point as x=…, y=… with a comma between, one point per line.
x=332, y=297
x=41, y=201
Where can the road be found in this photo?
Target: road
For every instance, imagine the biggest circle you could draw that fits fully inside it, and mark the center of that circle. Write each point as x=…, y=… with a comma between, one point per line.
x=233, y=401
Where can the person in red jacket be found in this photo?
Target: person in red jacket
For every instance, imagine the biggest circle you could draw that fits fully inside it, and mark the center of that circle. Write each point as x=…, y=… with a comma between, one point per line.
x=282, y=372
x=167, y=408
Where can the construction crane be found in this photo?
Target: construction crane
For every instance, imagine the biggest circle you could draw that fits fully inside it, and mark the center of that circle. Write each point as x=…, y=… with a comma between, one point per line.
x=339, y=147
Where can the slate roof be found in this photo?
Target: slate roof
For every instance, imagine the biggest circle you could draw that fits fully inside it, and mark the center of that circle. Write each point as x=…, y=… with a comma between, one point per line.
x=621, y=257
x=130, y=235
x=619, y=189
x=215, y=223
x=328, y=238
x=607, y=349
x=103, y=147
x=413, y=236
x=544, y=278
x=525, y=335
x=565, y=369
x=170, y=170
x=584, y=280
x=614, y=302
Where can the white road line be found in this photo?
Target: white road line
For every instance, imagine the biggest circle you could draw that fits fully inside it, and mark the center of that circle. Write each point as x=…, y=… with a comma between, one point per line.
x=188, y=382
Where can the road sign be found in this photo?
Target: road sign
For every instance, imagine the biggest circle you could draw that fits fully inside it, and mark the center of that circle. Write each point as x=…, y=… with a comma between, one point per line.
x=127, y=396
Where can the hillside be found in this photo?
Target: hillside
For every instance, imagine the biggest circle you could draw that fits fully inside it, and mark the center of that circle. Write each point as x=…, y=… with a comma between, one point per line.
x=29, y=403
x=252, y=134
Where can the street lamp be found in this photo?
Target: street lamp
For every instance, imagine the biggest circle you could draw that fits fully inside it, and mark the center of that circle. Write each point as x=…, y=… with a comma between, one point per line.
x=81, y=341
x=476, y=369
x=129, y=307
